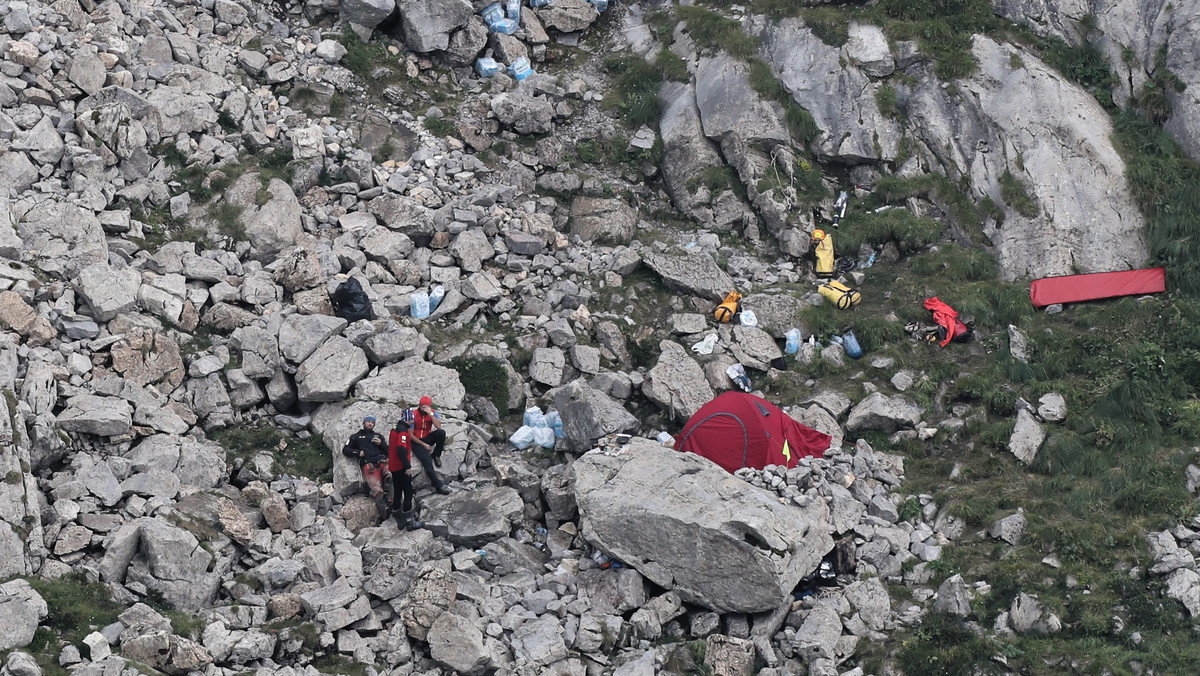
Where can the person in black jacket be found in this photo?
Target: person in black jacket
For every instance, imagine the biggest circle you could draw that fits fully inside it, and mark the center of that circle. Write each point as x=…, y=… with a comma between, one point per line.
x=370, y=449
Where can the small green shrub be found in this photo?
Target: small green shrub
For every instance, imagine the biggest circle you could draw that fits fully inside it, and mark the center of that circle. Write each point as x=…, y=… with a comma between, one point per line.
x=910, y=232
x=830, y=25
x=956, y=263
x=672, y=67
x=484, y=378
x=715, y=33
x=636, y=92
x=362, y=57
x=885, y=98
x=944, y=646
x=77, y=606
x=1016, y=195
x=438, y=126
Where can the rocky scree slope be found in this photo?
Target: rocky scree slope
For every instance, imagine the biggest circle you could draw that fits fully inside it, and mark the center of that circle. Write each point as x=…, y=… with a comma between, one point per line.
x=125, y=352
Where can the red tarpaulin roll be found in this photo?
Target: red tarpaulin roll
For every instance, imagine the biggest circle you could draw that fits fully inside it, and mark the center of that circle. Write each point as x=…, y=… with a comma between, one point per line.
x=1076, y=288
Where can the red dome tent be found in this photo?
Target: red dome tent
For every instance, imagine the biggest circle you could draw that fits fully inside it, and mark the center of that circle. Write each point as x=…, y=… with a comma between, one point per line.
x=738, y=430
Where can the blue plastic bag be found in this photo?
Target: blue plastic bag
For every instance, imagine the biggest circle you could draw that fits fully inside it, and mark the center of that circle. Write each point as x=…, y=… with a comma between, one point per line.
x=520, y=69
x=512, y=9
x=435, y=297
x=850, y=343
x=492, y=13
x=534, y=417
x=523, y=438
x=486, y=66
x=554, y=420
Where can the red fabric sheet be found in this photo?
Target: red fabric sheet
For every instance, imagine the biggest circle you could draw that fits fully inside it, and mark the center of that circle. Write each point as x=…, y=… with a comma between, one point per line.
x=1076, y=288
x=944, y=315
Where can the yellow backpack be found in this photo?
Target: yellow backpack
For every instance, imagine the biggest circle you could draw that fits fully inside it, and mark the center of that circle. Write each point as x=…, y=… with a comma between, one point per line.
x=842, y=296
x=728, y=307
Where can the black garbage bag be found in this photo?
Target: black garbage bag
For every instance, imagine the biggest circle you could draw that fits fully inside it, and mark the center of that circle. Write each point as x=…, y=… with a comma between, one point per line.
x=350, y=302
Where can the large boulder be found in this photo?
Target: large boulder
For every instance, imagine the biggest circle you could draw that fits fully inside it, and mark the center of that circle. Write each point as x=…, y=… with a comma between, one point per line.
x=164, y=558
x=688, y=525
x=108, y=290
x=60, y=237
x=331, y=370
x=1027, y=437
x=881, y=412
x=457, y=643
x=91, y=414
x=474, y=518
x=407, y=381
x=588, y=414
x=568, y=16
x=677, y=383
x=335, y=422
x=271, y=225
x=525, y=113
x=427, y=24
x=602, y=220
x=694, y=273
x=367, y=13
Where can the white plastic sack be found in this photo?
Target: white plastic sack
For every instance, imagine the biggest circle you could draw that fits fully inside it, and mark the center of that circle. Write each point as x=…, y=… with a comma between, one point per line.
x=534, y=417
x=554, y=421
x=748, y=318
x=523, y=438
x=544, y=437
x=706, y=346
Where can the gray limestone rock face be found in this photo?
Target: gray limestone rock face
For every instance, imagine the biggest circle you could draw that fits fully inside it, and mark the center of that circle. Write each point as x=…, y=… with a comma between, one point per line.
x=754, y=347
x=466, y=43
x=275, y=225
x=694, y=273
x=686, y=151
x=392, y=345
x=474, y=518
x=602, y=220
x=101, y=416
x=1070, y=169
x=589, y=414
x=743, y=551
x=457, y=643
x=331, y=370
x=404, y=215
x=870, y=599
x=408, y=381
x=818, y=635
x=676, y=382
x=881, y=412
x=367, y=13
x=260, y=352
x=1027, y=437
x=86, y=71
x=427, y=24
x=431, y=595
x=1183, y=585
x=841, y=99
x=471, y=248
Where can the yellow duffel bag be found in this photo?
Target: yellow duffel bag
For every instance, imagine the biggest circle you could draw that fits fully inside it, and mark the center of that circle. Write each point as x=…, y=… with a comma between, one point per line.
x=842, y=296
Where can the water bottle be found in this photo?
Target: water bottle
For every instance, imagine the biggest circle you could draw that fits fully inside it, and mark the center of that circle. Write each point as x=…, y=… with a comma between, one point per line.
x=792, y=346
x=418, y=305
x=512, y=9
x=492, y=13
x=486, y=66
x=435, y=297
x=520, y=69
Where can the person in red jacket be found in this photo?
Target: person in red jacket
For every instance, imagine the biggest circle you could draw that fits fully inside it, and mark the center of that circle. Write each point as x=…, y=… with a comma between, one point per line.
x=399, y=462
x=429, y=440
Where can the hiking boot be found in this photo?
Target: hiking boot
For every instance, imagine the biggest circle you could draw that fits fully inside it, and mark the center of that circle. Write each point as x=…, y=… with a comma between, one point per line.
x=382, y=505
x=437, y=461
x=442, y=490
